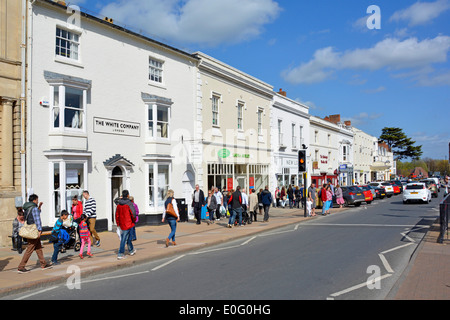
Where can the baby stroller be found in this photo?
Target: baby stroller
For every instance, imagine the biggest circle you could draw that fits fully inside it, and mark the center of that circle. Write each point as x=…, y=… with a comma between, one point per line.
x=245, y=218
x=73, y=240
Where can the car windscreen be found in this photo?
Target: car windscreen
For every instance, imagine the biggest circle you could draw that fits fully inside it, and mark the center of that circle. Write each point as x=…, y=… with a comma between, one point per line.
x=385, y=184
x=354, y=189
x=414, y=187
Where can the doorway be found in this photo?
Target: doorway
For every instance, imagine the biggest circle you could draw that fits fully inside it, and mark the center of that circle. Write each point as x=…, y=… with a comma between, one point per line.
x=116, y=190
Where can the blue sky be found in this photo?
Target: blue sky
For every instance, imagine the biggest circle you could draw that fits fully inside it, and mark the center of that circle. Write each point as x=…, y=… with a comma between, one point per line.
x=322, y=53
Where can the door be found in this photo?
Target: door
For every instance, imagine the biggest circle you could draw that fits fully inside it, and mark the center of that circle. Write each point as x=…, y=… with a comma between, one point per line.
x=116, y=190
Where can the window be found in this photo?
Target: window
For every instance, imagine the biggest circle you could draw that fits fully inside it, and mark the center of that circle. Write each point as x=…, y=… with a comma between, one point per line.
x=67, y=44
x=158, y=121
x=240, y=116
x=68, y=105
x=301, y=137
x=260, y=119
x=294, y=137
x=155, y=70
x=215, y=110
x=68, y=179
x=159, y=180
x=280, y=132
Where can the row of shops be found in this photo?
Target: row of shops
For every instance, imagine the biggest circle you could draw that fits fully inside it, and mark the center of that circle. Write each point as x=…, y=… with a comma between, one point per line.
x=109, y=109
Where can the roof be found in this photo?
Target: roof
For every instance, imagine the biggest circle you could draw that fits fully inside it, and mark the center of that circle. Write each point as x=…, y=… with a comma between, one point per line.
x=119, y=28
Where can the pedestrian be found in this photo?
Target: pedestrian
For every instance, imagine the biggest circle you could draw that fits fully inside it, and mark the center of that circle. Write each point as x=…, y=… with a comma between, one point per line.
x=236, y=207
x=17, y=224
x=309, y=207
x=85, y=236
x=244, y=205
x=56, y=238
x=447, y=186
x=323, y=197
x=125, y=219
x=211, y=205
x=32, y=215
x=312, y=194
x=339, y=196
x=253, y=205
x=329, y=203
x=283, y=197
x=277, y=197
x=171, y=220
x=297, y=197
x=136, y=212
x=90, y=210
x=260, y=204
x=290, y=195
x=266, y=199
x=77, y=209
x=219, y=200
x=198, y=202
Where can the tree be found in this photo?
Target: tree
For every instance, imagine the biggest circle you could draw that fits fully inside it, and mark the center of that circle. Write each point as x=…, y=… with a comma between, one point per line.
x=401, y=146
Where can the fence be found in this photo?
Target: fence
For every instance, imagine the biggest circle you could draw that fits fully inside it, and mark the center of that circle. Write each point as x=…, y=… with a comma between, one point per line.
x=444, y=209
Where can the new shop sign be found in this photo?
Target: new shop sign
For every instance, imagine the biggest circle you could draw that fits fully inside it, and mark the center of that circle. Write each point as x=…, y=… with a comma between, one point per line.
x=117, y=127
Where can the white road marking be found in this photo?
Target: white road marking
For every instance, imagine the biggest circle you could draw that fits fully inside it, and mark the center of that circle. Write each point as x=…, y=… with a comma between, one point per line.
x=168, y=262
x=36, y=293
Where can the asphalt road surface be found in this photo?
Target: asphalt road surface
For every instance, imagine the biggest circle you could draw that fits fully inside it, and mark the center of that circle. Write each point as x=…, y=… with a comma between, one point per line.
x=358, y=254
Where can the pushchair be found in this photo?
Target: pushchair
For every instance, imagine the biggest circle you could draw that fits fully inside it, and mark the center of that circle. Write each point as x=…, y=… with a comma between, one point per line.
x=73, y=241
x=245, y=218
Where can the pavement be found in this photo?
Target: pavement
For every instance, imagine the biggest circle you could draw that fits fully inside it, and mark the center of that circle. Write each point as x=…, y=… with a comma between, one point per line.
x=426, y=278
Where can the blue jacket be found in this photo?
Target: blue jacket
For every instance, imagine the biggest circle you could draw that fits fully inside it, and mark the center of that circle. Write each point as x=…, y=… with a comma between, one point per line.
x=266, y=197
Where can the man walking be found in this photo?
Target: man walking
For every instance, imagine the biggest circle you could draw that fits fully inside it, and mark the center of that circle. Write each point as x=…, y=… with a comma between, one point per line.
x=236, y=207
x=198, y=202
x=312, y=195
x=90, y=210
x=266, y=198
x=253, y=205
x=125, y=219
x=32, y=214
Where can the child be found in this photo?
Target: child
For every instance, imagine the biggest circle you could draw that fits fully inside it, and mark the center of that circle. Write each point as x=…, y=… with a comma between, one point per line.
x=17, y=224
x=309, y=206
x=85, y=235
x=55, y=237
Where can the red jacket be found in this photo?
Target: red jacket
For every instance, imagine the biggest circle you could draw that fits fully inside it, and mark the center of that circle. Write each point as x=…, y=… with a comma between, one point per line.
x=124, y=217
x=77, y=210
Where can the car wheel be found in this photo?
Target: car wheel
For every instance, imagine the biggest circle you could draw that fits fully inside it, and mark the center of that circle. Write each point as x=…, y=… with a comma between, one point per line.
x=369, y=202
x=389, y=196
x=357, y=204
x=405, y=202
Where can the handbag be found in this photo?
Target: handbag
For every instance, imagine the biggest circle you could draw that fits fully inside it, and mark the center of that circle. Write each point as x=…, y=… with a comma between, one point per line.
x=29, y=231
x=171, y=211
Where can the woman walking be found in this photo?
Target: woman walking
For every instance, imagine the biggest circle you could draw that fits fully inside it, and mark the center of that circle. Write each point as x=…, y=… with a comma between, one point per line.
x=339, y=196
x=171, y=215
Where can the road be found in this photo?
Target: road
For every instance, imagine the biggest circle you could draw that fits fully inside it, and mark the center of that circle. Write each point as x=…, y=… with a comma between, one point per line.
x=357, y=254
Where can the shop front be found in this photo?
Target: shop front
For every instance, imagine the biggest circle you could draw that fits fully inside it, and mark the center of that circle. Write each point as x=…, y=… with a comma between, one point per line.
x=236, y=167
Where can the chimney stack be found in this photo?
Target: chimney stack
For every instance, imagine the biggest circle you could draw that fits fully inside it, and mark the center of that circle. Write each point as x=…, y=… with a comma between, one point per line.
x=283, y=93
x=336, y=118
x=348, y=123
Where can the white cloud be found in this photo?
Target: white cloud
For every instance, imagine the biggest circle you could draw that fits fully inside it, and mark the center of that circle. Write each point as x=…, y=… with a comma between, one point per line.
x=390, y=53
x=421, y=12
x=196, y=21
x=363, y=118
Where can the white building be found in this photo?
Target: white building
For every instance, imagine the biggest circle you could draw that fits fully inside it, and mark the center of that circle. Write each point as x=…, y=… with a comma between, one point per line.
x=290, y=133
x=107, y=111
x=331, y=150
x=384, y=164
x=363, y=155
x=232, y=135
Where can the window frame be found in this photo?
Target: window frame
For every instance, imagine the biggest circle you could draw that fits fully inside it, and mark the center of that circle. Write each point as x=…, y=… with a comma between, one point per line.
x=215, y=97
x=240, y=106
x=154, y=107
x=61, y=86
x=156, y=185
x=156, y=70
x=77, y=44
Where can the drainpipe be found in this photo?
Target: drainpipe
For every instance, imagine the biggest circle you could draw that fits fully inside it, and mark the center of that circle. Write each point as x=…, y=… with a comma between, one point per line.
x=23, y=100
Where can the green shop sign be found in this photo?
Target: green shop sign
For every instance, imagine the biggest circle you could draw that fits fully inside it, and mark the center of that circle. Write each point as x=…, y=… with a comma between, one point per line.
x=224, y=153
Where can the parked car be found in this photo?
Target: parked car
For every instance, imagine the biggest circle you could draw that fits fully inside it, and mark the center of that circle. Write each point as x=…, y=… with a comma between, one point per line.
x=431, y=185
x=353, y=195
x=379, y=192
x=386, y=186
x=416, y=191
x=367, y=194
x=397, y=183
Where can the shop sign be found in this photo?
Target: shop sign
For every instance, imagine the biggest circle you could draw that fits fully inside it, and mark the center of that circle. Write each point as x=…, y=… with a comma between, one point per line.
x=117, y=127
x=224, y=153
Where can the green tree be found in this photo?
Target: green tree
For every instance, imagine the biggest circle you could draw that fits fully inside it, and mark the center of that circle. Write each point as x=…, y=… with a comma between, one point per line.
x=401, y=146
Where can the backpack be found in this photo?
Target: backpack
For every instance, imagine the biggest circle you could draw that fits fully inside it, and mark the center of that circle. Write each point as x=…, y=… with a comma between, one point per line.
x=63, y=236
